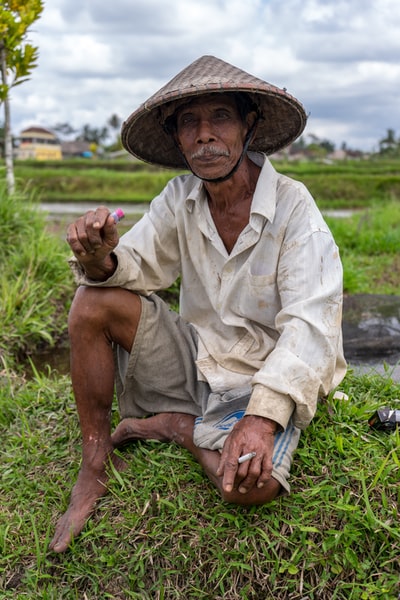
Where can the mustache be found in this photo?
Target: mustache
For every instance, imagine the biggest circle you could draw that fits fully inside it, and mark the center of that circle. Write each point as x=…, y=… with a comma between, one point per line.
x=209, y=151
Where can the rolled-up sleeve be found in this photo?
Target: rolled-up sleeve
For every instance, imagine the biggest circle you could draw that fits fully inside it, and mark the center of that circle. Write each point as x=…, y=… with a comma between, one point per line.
x=147, y=256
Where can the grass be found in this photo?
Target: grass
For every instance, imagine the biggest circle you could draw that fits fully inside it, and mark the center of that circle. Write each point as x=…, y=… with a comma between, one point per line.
x=35, y=285
x=338, y=185
x=162, y=532
x=92, y=181
x=369, y=243
x=354, y=184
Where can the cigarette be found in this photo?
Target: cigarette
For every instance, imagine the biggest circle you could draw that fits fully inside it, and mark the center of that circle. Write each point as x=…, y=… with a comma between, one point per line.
x=246, y=457
x=118, y=214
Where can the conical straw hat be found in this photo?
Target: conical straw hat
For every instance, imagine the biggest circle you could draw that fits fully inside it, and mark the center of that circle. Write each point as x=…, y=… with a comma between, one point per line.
x=282, y=116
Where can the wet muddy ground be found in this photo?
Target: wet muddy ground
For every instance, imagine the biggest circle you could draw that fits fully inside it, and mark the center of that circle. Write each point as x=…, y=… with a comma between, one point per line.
x=371, y=333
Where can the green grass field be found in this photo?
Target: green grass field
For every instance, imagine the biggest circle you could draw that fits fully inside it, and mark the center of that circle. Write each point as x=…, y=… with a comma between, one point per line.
x=162, y=532
x=340, y=185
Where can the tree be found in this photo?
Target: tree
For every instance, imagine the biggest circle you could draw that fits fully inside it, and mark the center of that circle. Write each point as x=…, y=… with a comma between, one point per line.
x=93, y=134
x=114, y=122
x=316, y=151
x=65, y=130
x=17, y=59
x=1, y=139
x=389, y=144
x=328, y=146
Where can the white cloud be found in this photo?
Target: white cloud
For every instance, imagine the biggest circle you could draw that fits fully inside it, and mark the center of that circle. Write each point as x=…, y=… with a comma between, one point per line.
x=339, y=57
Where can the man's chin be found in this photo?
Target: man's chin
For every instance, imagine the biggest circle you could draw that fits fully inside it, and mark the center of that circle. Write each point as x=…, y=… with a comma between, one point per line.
x=212, y=169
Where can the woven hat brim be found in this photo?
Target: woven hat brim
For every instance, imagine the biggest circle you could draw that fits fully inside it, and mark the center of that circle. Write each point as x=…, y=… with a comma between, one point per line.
x=282, y=116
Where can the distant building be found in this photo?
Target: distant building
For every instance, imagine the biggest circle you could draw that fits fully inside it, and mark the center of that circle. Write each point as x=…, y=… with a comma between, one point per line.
x=338, y=155
x=76, y=148
x=38, y=143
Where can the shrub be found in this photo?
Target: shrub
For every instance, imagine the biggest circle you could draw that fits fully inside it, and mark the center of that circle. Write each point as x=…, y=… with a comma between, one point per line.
x=35, y=284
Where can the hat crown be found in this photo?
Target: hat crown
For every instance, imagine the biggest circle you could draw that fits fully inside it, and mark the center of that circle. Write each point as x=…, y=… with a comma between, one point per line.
x=208, y=73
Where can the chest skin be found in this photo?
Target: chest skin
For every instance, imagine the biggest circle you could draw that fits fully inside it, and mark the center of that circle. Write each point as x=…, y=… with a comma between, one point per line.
x=230, y=221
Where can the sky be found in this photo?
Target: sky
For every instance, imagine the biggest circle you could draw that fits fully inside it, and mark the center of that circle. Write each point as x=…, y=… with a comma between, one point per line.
x=97, y=58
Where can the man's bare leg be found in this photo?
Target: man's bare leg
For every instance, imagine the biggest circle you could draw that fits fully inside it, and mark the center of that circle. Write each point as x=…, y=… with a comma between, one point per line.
x=98, y=317
x=178, y=427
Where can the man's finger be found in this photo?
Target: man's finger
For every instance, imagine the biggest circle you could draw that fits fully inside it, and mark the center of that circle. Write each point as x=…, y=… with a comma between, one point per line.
x=248, y=474
x=229, y=474
x=76, y=243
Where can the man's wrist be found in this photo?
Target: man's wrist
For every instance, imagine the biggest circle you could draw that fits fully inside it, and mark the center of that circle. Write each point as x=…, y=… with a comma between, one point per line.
x=271, y=426
x=103, y=271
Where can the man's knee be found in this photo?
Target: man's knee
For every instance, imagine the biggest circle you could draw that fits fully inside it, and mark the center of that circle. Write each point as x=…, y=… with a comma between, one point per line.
x=87, y=306
x=92, y=307
x=255, y=497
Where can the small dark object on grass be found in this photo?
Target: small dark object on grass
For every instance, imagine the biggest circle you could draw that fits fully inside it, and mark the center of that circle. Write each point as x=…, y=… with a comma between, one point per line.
x=385, y=419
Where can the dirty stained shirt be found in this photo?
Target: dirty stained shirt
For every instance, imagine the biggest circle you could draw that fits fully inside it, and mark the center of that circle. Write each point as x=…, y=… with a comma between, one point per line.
x=267, y=314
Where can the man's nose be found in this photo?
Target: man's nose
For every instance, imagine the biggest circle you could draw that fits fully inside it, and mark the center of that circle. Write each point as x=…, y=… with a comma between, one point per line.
x=204, y=131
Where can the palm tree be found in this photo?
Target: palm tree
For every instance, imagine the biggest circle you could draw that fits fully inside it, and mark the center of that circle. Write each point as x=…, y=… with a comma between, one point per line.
x=388, y=144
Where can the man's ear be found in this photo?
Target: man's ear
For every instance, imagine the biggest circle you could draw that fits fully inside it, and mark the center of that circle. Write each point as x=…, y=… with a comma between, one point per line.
x=176, y=140
x=251, y=121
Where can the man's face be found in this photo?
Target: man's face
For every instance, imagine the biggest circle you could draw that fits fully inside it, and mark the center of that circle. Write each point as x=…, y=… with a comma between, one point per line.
x=211, y=134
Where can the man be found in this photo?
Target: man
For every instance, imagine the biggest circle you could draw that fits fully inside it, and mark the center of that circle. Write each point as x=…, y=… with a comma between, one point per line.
x=238, y=373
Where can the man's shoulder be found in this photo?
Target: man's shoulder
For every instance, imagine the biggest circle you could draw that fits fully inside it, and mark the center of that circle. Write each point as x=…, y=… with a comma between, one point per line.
x=182, y=187
x=297, y=188
x=182, y=181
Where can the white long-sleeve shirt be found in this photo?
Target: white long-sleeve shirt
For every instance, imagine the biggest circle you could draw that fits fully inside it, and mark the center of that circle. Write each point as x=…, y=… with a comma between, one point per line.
x=269, y=313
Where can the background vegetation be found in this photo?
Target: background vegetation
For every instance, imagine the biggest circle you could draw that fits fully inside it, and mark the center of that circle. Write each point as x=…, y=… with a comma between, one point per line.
x=161, y=532
x=35, y=284
x=92, y=180
x=346, y=184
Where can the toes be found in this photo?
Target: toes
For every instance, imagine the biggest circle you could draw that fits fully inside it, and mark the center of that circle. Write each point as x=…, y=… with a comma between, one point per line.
x=63, y=536
x=59, y=546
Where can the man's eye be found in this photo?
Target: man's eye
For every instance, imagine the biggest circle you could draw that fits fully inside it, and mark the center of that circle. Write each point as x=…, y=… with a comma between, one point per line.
x=186, y=120
x=221, y=115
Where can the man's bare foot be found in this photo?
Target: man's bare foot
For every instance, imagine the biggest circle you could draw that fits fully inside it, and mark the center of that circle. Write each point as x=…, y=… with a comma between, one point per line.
x=126, y=432
x=164, y=427
x=89, y=488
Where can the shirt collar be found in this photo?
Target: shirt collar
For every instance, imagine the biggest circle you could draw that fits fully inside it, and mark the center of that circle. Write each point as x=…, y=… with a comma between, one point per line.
x=196, y=193
x=264, y=199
